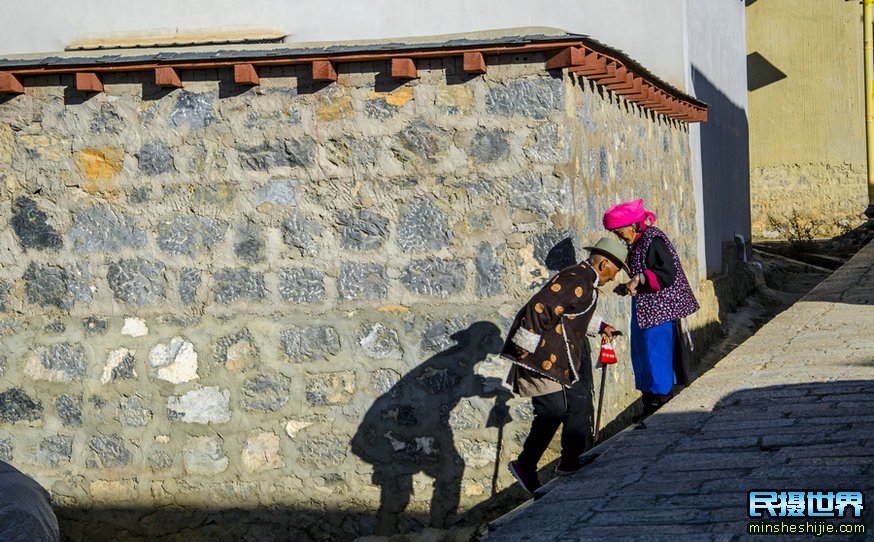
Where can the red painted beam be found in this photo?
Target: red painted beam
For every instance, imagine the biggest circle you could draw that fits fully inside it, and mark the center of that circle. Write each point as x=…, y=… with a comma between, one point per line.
x=246, y=74
x=626, y=83
x=88, y=82
x=403, y=68
x=636, y=88
x=593, y=64
x=166, y=76
x=566, y=58
x=324, y=70
x=610, y=72
x=474, y=63
x=618, y=76
x=10, y=84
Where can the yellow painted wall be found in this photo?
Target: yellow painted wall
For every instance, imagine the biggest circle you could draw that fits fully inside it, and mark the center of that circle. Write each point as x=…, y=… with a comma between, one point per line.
x=817, y=112
x=810, y=124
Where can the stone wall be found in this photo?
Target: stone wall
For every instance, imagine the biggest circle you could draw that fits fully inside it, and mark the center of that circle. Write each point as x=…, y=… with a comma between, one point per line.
x=830, y=199
x=288, y=298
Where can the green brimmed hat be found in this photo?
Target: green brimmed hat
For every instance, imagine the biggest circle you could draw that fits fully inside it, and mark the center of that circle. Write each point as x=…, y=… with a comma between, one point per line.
x=613, y=249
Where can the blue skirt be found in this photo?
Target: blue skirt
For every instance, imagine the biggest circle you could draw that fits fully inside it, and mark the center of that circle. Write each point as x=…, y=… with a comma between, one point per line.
x=652, y=355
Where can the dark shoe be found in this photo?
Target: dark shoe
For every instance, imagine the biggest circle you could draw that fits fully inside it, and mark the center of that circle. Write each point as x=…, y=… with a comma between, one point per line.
x=566, y=467
x=527, y=478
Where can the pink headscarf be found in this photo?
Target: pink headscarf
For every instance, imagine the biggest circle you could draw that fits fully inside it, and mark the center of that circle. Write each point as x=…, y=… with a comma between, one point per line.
x=626, y=214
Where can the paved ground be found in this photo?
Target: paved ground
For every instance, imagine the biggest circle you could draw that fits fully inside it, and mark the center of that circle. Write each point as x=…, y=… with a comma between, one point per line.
x=791, y=408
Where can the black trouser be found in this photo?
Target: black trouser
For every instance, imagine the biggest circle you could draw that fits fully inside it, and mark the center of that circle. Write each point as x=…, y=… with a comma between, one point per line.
x=572, y=409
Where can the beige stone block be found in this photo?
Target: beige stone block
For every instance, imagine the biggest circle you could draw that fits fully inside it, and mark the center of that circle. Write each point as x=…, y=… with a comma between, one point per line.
x=46, y=147
x=262, y=453
x=7, y=144
x=113, y=491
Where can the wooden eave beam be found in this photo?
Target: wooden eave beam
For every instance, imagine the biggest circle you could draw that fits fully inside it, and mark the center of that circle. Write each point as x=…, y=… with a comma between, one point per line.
x=474, y=62
x=88, y=82
x=635, y=89
x=168, y=77
x=618, y=77
x=593, y=64
x=324, y=70
x=566, y=58
x=246, y=74
x=10, y=84
x=610, y=72
x=627, y=83
x=403, y=68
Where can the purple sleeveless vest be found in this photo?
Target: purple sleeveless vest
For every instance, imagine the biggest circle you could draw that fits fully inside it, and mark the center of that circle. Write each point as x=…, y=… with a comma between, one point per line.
x=671, y=303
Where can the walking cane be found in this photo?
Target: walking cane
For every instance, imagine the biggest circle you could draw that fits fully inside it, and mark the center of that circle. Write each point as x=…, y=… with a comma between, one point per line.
x=600, y=403
x=607, y=357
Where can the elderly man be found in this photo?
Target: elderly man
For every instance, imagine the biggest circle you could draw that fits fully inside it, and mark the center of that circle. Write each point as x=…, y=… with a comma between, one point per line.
x=547, y=345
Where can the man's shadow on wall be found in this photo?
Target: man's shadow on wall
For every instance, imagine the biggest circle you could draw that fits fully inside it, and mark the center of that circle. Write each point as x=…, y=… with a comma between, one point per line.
x=406, y=431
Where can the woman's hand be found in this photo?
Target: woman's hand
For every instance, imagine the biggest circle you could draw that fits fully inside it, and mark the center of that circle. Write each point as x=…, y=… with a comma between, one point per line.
x=631, y=285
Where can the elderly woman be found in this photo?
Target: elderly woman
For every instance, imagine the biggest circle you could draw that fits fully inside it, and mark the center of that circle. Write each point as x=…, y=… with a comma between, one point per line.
x=661, y=297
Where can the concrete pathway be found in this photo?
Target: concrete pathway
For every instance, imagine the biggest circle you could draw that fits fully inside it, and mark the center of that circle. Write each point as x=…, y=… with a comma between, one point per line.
x=792, y=408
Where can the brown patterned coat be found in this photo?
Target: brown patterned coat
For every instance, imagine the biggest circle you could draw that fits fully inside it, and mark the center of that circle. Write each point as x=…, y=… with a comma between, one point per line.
x=545, y=342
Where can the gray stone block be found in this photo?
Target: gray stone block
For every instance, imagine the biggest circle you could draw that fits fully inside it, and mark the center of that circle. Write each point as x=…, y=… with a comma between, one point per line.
x=231, y=350
x=106, y=121
x=434, y=277
x=549, y=146
x=299, y=233
x=489, y=145
x=94, y=325
x=236, y=284
x=362, y=229
x=277, y=192
x=266, y=393
x=556, y=249
x=154, y=158
x=437, y=336
x=132, y=412
x=195, y=110
x=32, y=228
x=204, y=456
x=364, y=281
x=440, y=380
x=47, y=286
x=422, y=140
x=489, y=271
x=189, y=280
x=202, y=405
x=190, y=235
x=126, y=369
x=61, y=362
x=313, y=343
x=383, y=381
x=137, y=281
x=541, y=194
x=69, y=409
x=379, y=341
x=323, y=451
x=423, y=226
x=17, y=406
x=159, y=459
x=103, y=229
x=54, y=450
x=535, y=97
x=302, y=285
x=55, y=327
x=283, y=153
x=324, y=389
x=6, y=449
x=108, y=451
x=249, y=244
